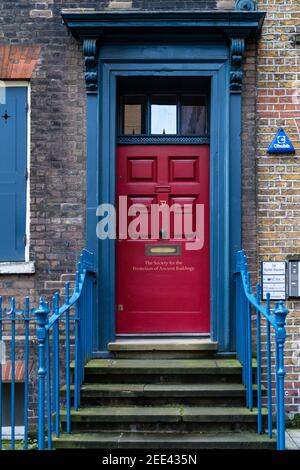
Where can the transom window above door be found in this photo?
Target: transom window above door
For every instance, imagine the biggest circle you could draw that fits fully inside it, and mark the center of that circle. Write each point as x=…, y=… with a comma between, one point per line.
x=168, y=106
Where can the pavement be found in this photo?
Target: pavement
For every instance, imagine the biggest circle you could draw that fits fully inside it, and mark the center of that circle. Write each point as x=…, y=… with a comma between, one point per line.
x=292, y=439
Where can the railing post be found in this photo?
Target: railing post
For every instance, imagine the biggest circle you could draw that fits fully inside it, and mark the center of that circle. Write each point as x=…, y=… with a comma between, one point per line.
x=68, y=379
x=13, y=365
x=26, y=372
x=77, y=349
x=42, y=318
x=249, y=348
x=269, y=369
x=258, y=351
x=280, y=313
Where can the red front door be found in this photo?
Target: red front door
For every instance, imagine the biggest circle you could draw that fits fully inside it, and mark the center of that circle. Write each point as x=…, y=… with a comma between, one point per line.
x=162, y=286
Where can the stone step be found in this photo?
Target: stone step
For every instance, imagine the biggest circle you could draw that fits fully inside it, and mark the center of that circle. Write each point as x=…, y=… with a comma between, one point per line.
x=163, y=370
x=160, y=440
x=166, y=348
x=164, y=418
x=161, y=394
x=160, y=403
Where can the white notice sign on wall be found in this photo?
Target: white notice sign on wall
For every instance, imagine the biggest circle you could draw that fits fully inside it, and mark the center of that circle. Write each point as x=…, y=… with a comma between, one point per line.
x=273, y=276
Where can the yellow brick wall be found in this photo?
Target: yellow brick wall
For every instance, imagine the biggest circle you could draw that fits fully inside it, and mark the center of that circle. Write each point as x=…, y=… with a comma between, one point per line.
x=278, y=177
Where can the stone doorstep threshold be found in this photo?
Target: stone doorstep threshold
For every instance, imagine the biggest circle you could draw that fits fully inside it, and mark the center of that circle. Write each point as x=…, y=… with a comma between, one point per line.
x=149, y=344
x=27, y=267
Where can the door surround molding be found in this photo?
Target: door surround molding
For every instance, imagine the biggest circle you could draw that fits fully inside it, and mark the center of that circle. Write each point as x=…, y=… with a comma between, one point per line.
x=210, y=44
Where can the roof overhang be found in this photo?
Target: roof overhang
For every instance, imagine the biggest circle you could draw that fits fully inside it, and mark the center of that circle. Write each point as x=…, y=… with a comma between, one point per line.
x=92, y=24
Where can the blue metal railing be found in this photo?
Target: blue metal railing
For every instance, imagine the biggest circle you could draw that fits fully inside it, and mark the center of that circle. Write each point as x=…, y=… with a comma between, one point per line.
x=246, y=303
x=13, y=319
x=73, y=319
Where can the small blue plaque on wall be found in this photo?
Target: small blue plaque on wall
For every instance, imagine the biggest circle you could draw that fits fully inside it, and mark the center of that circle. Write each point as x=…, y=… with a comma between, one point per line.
x=281, y=144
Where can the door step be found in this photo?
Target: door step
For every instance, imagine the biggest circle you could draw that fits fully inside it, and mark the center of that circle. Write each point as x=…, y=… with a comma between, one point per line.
x=168, y=348
x=216, y=394
x=164, y=418
x=164, y=441
x=163, y=403
x=163, y=371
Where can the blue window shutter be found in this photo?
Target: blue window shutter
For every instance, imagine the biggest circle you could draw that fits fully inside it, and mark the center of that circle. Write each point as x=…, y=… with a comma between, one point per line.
x=13, y=165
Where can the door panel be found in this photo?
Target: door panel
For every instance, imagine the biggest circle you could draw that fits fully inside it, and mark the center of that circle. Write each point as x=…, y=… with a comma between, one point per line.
x=13, y=183
x=162, y=287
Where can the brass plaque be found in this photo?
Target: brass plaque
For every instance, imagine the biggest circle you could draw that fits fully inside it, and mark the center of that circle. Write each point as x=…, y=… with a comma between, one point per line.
x=163, y=250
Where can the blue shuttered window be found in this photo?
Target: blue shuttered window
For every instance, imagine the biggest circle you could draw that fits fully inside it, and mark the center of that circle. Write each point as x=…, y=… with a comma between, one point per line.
x=13, y=171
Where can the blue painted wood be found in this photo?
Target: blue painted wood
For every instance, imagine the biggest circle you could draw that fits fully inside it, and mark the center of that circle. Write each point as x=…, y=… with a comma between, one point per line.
x=92, y=167
x=204, y=55
x=91, y=64
x=235, y=201
x=107, y=195
x=219, y=204
x=92, y=197
x=237, y=50
x=209, y=55
x=91, y=24
x=13, y=164
x=200, y=65
x=193, y=43
x=189, y=38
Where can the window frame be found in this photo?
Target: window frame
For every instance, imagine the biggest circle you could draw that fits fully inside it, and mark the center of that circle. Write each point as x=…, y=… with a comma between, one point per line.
x=26, y=266
x=148, y=116
x=147, y=86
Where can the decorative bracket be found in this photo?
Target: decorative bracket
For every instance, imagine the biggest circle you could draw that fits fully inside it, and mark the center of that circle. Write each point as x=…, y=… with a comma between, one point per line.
x=91, y=65
x=248, y=5
x=237, y=49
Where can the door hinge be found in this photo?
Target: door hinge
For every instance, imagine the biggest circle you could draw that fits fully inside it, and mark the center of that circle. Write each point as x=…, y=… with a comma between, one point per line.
x=26, y=174
x=25, y=239
x=27, y=107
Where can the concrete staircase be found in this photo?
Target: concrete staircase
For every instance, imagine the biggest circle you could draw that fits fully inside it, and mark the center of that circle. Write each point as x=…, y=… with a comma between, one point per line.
x=161, y=395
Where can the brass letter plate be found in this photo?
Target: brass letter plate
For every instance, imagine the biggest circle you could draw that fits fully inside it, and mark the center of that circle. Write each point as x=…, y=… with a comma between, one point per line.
x=163, y=250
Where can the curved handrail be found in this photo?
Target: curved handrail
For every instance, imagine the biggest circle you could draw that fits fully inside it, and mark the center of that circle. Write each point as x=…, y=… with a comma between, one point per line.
x=258, y=306
x=55, y=358
x=245, y=302
x=66, y=306
x=81, y=305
